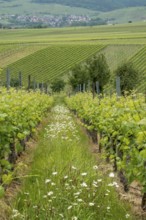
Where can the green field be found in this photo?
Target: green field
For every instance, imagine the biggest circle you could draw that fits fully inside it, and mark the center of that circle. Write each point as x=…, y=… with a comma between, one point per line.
x=49, y=53
x=111, y=34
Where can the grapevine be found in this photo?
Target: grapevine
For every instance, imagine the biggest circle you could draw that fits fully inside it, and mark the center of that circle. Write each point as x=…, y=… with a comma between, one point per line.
x=121, y=123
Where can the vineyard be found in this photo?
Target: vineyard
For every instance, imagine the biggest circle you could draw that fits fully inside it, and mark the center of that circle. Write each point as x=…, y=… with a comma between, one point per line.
x=20, y=113
x=46, y=54
x=120, y=125
x=64, y=180
x=118, y=54
x=139, y=61
x=11, y=53
x=53, y=61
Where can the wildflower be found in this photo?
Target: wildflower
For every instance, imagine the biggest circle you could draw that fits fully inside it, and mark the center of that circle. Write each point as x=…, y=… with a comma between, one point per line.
x=99, y=180
x=44, y=196
x=110, y=184
x=47, y=181
x=35, y=206
x=111, y=175
x=74, y=168
x=95, y=184
x=84, y=184
x=108, y=208
x=127, y=215
x=115, y=184
x=83, y=174
x=53, y=184
x=61, y=215
x=50, y=193
x=75, y=204
x=26, y=193
x=77, y=193
x=54, y=173
x=74, y=218
x=65, y=177
x=16, y=213
x=69, y=207
x=91, y=203
x=79, y=200
x=95, y=167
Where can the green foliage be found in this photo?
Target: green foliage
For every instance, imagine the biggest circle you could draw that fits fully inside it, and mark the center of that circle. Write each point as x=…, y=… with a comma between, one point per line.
x=98, y=70
x=128, y=76
x=14, y=82
x=78, y=75
x=64, y=181
x=2, y=192
x=20, y=112
x=57, y=85
x=122, y=123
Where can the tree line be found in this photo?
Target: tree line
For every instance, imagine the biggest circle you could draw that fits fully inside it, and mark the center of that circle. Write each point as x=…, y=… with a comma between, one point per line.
x=92, y=75
x=97, y=72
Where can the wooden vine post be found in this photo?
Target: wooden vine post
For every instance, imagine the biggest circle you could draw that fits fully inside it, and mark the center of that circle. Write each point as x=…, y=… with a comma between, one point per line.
x=29, y=81
x=20, y=80
x=8, y=79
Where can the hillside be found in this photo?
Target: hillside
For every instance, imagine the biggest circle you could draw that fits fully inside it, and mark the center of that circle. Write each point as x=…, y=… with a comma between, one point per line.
x=105, y=5
x=124, y=15
x=60, y=13
x=22, y=7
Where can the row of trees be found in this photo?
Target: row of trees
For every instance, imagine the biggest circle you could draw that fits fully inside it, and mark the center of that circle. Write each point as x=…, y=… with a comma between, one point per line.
x=93, y=73
x=96, y=70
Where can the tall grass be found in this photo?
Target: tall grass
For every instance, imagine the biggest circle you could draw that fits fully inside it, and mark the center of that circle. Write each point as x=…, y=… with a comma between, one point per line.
x=65, y=181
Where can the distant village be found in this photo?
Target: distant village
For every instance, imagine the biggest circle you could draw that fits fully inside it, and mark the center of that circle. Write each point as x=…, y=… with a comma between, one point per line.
x=47, y=21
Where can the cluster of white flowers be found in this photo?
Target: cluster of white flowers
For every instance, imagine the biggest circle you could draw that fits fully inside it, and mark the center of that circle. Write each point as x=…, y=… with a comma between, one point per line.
x=63, y=127
x=114, y=184
x=80, y=188
x=16, y=214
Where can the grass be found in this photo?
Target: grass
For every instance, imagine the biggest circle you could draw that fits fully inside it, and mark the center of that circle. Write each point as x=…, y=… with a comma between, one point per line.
x=65, y=181
x=114, y=34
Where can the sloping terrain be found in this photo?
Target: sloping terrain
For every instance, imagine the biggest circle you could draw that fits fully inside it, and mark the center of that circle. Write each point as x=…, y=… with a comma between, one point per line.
x=52, y=62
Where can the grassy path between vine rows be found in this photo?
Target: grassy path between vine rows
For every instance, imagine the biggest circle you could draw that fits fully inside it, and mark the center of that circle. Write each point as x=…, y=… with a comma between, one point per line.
x=65, y=180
